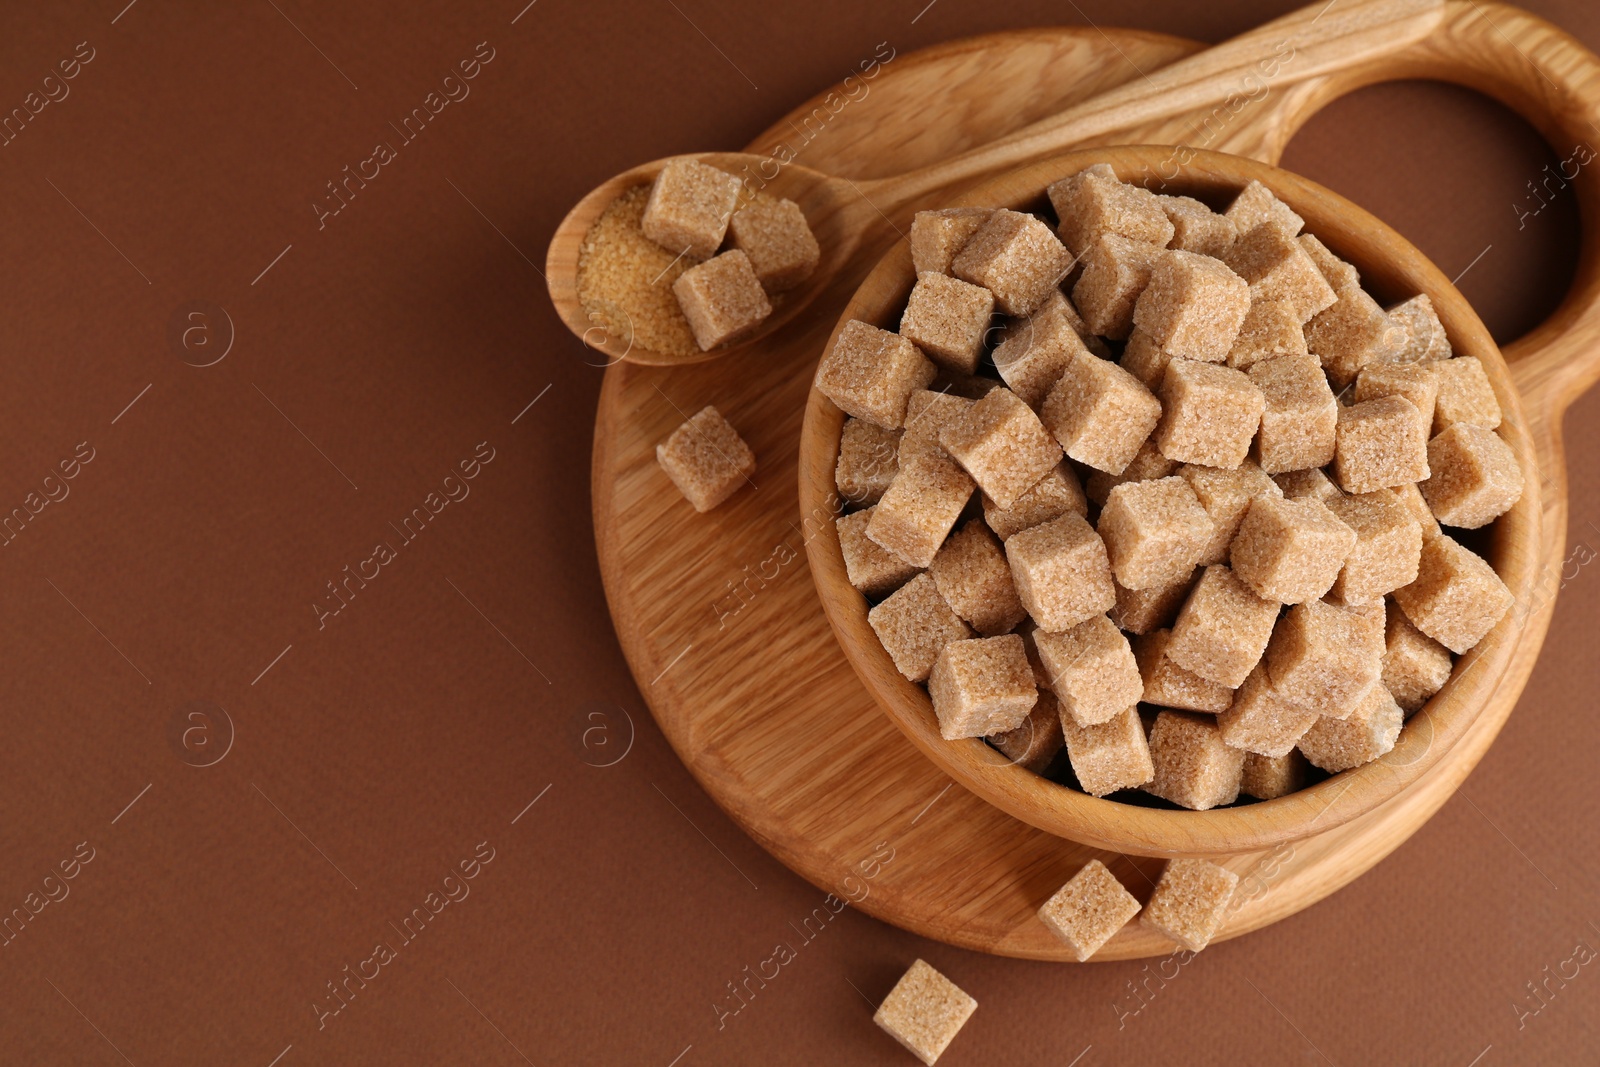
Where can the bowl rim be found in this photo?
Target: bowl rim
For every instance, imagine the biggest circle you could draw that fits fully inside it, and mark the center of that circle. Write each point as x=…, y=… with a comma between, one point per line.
x=1392, y=269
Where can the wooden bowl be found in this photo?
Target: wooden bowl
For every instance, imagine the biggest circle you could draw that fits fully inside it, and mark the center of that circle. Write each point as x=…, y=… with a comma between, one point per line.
x=1391, y=270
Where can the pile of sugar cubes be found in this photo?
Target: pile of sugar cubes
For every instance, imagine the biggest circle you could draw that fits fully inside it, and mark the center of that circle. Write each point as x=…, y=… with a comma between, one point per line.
x=695, y=209
x=1179, y=512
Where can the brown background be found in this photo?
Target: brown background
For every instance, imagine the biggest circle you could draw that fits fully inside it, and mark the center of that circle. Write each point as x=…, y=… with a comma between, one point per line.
x=381, y=749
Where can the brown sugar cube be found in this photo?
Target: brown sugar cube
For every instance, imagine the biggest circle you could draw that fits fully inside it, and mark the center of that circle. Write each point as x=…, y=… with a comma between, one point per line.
x=1261, y=722
x=722, y=299
x=1100, y=413
x=1017, y=258
x=1257, y=204
x=1339, y=274
x=1299, y=416
x=706, y=459
x=775, y=235
x=924, y=1011
x=1195, y=769
x=1226, y=496
x=1193, y=307
x=1210, y=414
x=936, y=236
x=1144, y=359
x=1034, y=745
x=872, y=570
x=1351, y=334
x=1370, y=620
x=1418, y=382
x=1108, y=756
x=689, y=207
x=1094, y=203
x=1475, y=479
x=1003, y=445
x=1037, y=350
x=1196, y=228
x=1290, y=551
x=1089, y=909
x=1154, y=531
x=1457, y=597
x=1322, y=656
x=1051, y=497
x=1115, y=272
x=1091, y=669
x=1425, y=339
x=919, y=508
x=947, y=318
x=1270, y=328
x=1061, y=572
x=868, y=460
x=1139, y=611
x=914, y=624
x=1411, y=497
x=1147, y=465
x=1369, y=731
x=1171, y=686
x=1380, y=444
x=982, y=686
x=928, y=413
x=974, y=579
x=1190, y=902
x=1278, y=268
x=1313, y=483
x=1268, y=778
x=1222, y=629
x=1387, y=549
x=1465, y=395
x=870, y=373
x=1415, y=666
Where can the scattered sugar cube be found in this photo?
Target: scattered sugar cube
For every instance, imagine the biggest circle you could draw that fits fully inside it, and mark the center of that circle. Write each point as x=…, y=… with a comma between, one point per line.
x=1271, y=328
x=872, y=570
x=1154, y=531
x=936, y=236
x=1298, y=485
x=706, y=459
x=1257, y=204
x=1465, y=395
x=871, y=373
x=1290, y=550
x=1017, y=258
x=1387, y=549
x=1091, y=670
x=1144, y=359
x=1089, y=909
x=974, y=579
x=1193, y=307
x=1351, y=334
x=1261, y=722
x=1268, y=777
x=1116, y=271
x=1051, y=497
x=1147, y=465
x=1139, y=611
x=868, y=461
x=689, y=207
x=947, y=318
x=982, y=686
x=919, y=508
x=1222, y=629
x=722, y=299
x=1425, y=338
x=1093, y=203
x=1003, y=445
x=1034, y=745
x=1299, y=417
x=1210, y=414
x=1190, y=902
x=1457, y=597
x=1379, y=444
x=1196, y=228
x=1338, y=273
x=1415, y=666
x=1412, y=498
x=924, y=1011
x=1037, y=350
x=914, y=624
x=775, y=235
x=1278, y=268
x=1061, y=572
x=1226, y=496
x=1194, y=768
x=1100, y=413
x=1109, y=756
x=1322, y=656
x=1418, y=382
x=1170, y=686
x=1369, y=731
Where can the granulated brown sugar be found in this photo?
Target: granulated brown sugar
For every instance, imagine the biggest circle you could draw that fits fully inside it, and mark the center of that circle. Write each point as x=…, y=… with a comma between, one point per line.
x=625, y=280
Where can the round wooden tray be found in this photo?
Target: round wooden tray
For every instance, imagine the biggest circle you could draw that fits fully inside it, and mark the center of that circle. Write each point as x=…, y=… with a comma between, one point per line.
x=721, y=624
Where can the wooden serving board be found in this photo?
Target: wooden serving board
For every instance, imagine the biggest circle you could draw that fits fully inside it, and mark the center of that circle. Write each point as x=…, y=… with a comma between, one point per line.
x=722, y=626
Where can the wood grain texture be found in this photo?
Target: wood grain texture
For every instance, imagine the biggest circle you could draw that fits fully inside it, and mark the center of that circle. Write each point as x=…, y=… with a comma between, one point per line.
x=721, y=623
